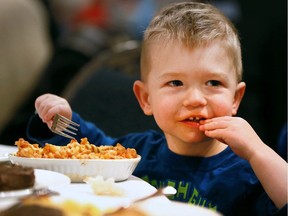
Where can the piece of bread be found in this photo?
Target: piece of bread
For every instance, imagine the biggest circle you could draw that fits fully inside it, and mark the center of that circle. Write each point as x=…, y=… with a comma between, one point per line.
x=14, y=177
x=24, y=210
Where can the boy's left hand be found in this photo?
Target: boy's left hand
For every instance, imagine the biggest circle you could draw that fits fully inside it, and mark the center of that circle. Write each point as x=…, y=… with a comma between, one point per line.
x=235, y=132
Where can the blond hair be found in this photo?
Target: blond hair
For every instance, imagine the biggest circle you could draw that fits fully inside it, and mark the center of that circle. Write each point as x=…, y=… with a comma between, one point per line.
x=193, y=24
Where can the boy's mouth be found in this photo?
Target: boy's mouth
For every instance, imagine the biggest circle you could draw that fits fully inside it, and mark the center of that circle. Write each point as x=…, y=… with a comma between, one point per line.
x=196, y=119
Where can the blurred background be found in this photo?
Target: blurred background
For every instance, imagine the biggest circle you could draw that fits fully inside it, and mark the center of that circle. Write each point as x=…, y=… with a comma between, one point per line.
x=45, y=44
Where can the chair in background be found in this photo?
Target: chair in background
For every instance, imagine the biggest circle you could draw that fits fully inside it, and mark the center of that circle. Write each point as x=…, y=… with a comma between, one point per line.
x=102, y=91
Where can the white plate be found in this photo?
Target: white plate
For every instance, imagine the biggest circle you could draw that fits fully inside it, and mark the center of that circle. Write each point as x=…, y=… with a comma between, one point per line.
x=50, y=179
x=4, y=152
x=133, y=188
x=43, y=178
x=4, y=157
x=79, y=169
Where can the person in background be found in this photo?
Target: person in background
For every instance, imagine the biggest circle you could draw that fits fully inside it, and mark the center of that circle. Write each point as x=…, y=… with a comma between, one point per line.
x=191, y=82
x=25, y=49
x=80, y=30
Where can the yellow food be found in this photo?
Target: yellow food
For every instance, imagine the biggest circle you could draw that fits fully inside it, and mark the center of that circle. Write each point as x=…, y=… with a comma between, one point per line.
x=45, y=206
x=74, y=150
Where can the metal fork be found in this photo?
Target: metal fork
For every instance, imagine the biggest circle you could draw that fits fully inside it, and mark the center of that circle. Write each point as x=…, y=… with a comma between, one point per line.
x=64, y=127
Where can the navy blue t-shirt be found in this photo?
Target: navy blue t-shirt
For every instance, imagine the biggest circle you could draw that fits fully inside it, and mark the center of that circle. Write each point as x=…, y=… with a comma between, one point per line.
x=225, y=182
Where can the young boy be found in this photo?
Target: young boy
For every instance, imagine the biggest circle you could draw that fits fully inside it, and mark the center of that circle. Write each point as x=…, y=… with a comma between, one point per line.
x=191, y=74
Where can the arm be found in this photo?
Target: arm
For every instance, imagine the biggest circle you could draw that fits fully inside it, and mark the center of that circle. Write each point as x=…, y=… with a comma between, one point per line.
x=271, y=170
x=268, y=166
x=47, y=106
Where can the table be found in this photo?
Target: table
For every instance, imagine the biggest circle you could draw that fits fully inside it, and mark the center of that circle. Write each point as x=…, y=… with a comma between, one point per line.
x=132, y=188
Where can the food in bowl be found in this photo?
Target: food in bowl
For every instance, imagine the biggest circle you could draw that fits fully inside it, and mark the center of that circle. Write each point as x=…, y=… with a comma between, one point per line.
x=78, y=160
x=74, y=150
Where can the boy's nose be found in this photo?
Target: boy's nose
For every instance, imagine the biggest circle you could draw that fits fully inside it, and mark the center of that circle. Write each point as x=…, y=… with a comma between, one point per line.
x=194, y=98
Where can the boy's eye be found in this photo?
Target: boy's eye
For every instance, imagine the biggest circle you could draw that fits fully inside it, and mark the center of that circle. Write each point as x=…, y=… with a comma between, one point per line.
x=175, y=83
x=213, y=83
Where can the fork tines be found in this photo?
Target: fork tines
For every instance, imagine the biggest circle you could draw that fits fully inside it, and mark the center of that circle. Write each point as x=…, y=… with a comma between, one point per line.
x=64, y=127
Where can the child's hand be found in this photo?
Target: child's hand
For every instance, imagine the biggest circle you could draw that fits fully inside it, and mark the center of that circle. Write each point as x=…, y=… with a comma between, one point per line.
x=47, y=105
x=235, y=132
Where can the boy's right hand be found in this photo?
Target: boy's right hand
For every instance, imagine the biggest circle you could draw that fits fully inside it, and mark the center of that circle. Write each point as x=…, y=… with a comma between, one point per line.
x=48, y=105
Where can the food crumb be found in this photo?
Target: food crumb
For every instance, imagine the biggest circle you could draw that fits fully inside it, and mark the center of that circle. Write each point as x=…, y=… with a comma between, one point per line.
x=101, y=186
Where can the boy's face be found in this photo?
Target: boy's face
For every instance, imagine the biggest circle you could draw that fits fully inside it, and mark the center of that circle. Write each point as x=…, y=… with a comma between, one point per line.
x=185, y=85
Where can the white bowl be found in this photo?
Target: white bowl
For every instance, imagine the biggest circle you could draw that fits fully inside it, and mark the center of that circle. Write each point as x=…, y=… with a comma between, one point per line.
x=79, y=169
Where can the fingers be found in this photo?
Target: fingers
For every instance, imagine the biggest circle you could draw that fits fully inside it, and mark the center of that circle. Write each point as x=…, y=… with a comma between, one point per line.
x=217, y=128
x=48, y=105
x=43, y=104
x=235, y=132
x=213, y=124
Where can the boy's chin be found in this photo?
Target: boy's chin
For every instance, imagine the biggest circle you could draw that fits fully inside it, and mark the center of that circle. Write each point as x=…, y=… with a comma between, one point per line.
x=199, y=140
x=196, y=138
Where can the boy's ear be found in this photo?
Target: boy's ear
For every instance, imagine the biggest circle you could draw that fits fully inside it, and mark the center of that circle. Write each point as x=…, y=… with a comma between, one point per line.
x=142, y=96
x=240, y=90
